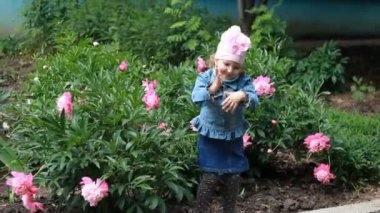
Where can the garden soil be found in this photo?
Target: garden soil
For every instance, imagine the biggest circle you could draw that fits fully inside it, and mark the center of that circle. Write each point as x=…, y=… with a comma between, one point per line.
x=286, y=185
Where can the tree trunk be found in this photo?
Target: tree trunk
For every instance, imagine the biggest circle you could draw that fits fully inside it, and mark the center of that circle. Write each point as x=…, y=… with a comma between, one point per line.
x=246, y=19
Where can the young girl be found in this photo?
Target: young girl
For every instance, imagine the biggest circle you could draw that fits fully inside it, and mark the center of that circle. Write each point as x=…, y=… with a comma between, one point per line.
x=223, y=92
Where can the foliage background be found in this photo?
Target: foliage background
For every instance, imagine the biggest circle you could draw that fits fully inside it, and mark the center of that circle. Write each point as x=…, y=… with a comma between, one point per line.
x=112, y=136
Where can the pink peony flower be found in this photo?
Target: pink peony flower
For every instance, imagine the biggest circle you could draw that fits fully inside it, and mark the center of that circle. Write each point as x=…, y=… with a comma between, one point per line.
x=21, y=183
x=149, y=85
x=274, y=122
x=162, y=125
x=246, y=141
x=93, y=191
x=65, y=103
x=322, y=173
x=317, y=142
x=264, y=86
x=201, y=65
x=27, y=201
x=151, y=99
x=123, y=66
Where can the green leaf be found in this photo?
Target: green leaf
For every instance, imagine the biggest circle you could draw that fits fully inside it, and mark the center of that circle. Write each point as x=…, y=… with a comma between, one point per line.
x=9, y=158
x=177, y=191
x=261, y=133
x=153, y=203
x=191, y=44
x=178, y=24
x=4, y=95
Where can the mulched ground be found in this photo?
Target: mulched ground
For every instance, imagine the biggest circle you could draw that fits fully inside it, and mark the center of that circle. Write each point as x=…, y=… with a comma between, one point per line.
x=287, y=186
x=13, y=70
x=369, y=106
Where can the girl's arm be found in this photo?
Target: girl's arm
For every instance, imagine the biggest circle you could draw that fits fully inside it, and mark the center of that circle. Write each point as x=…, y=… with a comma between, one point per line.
x=200, y=92
x=252, y=101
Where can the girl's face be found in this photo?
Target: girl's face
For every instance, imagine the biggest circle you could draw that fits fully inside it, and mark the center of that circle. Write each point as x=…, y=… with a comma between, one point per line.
x=228, y=69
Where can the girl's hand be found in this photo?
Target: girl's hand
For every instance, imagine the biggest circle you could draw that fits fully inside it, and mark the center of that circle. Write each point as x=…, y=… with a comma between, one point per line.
x=232, y=101
x=216, y=84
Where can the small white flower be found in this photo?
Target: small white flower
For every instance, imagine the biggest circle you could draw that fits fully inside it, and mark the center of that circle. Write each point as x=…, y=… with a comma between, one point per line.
x=44, y=67
x=36, y=79
x=143, y=66
x=28, y=101
x=5, y=126
x=95, y=43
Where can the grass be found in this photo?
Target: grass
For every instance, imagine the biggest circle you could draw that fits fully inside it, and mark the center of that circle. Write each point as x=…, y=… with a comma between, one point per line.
x=353, y=124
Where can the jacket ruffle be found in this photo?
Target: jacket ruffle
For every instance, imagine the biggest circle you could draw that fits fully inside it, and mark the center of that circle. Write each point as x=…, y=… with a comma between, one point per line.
x=210, y=131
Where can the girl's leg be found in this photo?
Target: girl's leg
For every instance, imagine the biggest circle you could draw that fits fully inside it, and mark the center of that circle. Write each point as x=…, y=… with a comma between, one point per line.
x=205, y=190
x=230, y=192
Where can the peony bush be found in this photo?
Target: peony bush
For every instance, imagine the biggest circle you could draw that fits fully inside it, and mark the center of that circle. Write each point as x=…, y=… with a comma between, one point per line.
x=86, y=120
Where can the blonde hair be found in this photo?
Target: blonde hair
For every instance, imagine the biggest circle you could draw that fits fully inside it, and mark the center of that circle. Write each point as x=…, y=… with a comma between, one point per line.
x=211, y=63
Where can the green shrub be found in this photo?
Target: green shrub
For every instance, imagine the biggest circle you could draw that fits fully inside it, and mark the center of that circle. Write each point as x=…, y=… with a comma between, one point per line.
x=10, y=45
x=355, y=147
x=323, y=67
x=360, y=89
x=268, y=30
x=111, y=135
x=158, y=33
x=297, y=115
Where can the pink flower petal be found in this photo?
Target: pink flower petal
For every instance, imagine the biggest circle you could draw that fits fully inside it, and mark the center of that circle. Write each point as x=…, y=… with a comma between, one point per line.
x=22, y=183
x=246, y=141
x=65, y=103
x=93, y=191
x=317, y=142
x=322, y=173
x=27, y=201
x=264, y=86
x=123, y=66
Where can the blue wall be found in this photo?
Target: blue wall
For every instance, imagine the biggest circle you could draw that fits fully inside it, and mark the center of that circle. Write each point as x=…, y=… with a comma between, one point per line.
x=349, y=18
x=356, y=18
x=11, y=16
x=335, y=17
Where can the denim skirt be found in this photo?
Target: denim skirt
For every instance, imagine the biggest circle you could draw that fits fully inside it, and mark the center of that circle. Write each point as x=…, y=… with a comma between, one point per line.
x=221, y=156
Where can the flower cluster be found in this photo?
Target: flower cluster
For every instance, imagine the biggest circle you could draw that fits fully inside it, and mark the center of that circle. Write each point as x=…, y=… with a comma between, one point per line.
x=316, y=143
x=22, y=185
x=150, y=98
x=264, y=86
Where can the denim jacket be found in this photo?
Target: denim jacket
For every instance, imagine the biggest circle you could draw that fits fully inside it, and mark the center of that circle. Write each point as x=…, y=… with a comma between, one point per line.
x=213, y=121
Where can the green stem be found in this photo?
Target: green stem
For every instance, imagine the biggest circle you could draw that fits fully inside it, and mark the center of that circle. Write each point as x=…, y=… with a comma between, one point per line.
x=328, y=155
x=39, y=170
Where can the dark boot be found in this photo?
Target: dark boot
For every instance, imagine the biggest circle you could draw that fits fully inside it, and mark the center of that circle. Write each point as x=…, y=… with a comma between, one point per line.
x=230, y=192
x=205, y=191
